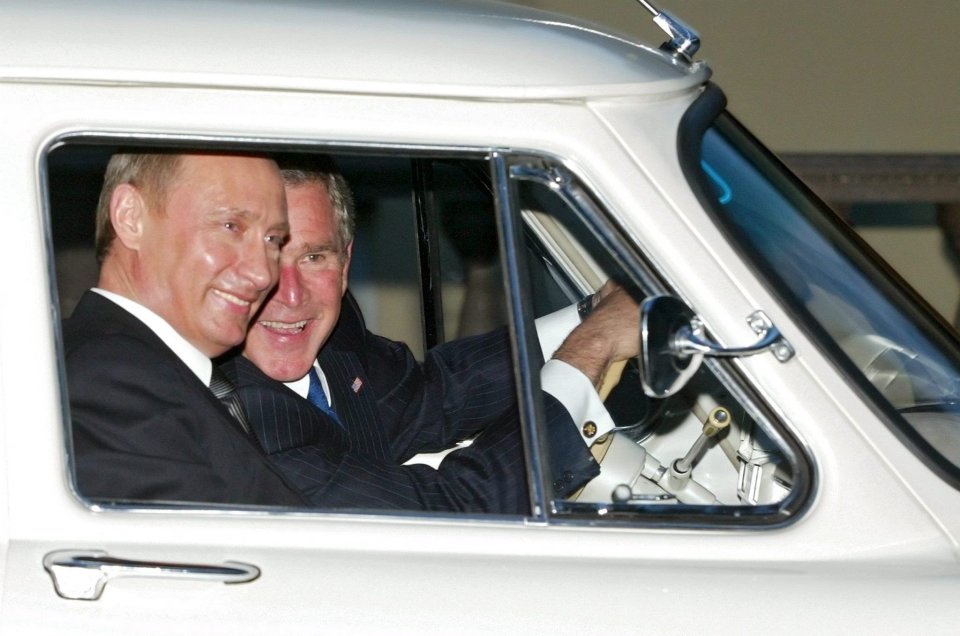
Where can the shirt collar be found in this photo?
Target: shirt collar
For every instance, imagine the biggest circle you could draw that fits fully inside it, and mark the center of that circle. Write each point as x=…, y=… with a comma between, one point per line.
x=302, y=386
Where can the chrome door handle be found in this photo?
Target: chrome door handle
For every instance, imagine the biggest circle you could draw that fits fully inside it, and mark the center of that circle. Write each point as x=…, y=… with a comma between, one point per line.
x=82, y=574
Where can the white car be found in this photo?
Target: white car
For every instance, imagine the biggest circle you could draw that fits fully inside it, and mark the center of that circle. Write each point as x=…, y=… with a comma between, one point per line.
x=788, y=452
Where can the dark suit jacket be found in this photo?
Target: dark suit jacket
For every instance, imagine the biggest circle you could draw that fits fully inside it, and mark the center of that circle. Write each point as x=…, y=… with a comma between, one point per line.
x=145, y=428
x=393, y=407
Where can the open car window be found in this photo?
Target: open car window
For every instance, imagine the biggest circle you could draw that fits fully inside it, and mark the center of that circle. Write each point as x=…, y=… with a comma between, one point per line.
x=435, y=261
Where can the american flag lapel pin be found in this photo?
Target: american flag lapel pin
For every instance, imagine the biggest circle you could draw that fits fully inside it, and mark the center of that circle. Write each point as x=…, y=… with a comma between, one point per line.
x=356, y=385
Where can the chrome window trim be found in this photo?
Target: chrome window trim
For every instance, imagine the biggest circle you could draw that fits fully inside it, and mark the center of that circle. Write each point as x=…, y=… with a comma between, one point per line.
x=559, y=178
x=521, y=312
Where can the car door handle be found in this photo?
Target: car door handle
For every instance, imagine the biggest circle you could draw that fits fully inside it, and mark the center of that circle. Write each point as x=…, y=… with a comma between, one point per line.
x=82, y=574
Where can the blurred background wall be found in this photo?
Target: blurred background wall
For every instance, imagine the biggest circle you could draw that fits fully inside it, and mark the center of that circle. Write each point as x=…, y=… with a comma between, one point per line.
x=860, y=97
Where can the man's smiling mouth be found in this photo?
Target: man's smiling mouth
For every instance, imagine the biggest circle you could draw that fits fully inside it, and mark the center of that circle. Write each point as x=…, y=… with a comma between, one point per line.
x=236, y=300
x=283, y=327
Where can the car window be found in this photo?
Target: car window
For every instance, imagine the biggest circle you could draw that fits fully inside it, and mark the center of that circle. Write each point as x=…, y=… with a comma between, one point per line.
x=386, y=282
x=904, y=358
x=407, y=387
x=432, y=266
x=710, y=453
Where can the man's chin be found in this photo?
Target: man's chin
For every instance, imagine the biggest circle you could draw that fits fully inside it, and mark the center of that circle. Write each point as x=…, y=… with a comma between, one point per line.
x=281, y=369
x=217, y=344
x=287, y=375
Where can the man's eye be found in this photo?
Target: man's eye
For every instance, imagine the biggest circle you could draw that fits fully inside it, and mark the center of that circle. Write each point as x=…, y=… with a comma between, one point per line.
x=230, y=225
x=275, y=239
x=320, y=259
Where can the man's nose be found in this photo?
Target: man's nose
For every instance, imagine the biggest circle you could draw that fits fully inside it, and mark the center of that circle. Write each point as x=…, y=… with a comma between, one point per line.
x=290, y=287
x=258, y=265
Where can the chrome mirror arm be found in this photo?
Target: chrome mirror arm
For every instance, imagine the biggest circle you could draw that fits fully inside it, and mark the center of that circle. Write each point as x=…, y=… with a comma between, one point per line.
x=673, y=343
x=689, y=340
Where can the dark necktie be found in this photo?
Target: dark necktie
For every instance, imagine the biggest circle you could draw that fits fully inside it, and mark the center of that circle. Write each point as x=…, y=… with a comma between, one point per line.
x=318, y=398
x=227, y=394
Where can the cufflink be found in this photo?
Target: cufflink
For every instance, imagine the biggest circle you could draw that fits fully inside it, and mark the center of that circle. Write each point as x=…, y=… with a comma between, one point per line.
x=589, y=430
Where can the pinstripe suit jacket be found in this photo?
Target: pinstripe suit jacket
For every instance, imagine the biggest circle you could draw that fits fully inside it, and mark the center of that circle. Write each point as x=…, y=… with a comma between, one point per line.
x=392, y=408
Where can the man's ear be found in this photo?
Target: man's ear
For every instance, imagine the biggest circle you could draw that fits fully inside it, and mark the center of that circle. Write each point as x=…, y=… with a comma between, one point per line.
x=345, y=272
x=128, y=211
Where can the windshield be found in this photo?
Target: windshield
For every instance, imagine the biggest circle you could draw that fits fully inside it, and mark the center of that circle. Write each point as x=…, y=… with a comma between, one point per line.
x=890, y=343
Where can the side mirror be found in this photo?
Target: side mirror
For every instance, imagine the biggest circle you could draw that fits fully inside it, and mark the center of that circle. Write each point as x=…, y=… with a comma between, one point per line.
x=664, y=370
x=672, y=344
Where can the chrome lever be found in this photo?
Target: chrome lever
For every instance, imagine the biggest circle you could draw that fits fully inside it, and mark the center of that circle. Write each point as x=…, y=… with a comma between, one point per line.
x=690, y=340
x=82, y=574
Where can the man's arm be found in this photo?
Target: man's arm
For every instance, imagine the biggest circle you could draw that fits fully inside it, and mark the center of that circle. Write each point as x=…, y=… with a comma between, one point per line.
x=464, y=384
x=460, y=388
x=568, y=345
x=571, y=380
x=488, y=476
x=611, y=333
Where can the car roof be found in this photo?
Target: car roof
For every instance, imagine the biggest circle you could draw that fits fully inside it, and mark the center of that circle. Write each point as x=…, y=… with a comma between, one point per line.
x=456, y=48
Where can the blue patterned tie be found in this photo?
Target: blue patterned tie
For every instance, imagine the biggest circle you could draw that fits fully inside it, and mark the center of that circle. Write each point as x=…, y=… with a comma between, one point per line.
x=318, y=398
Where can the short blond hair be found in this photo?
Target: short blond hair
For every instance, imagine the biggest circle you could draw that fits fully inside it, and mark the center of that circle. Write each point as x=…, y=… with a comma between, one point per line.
x=151, y=173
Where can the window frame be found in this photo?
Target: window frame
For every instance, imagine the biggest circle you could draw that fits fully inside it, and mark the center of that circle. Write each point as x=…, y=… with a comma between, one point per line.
x=555, y=174
x=506, y=167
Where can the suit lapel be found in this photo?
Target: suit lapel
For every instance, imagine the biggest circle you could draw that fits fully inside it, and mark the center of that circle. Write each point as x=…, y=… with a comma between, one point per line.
x=282, y=419
x=354, y=401
x=105, y=316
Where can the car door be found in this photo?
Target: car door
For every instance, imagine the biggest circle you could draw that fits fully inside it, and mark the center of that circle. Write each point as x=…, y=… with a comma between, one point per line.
x=252, y=570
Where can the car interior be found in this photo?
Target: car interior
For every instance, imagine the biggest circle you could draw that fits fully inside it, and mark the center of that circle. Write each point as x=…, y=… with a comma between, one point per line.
x=428, y=267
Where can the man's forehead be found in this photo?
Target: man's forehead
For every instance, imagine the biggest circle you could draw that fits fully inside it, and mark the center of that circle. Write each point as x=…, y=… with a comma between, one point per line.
x=312, y=189
x=309, y=204
x=233, y=180
x=227, y=164
x=311, y=230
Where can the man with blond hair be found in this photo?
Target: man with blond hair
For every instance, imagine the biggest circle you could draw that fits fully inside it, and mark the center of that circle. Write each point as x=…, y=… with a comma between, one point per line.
x=189, y=246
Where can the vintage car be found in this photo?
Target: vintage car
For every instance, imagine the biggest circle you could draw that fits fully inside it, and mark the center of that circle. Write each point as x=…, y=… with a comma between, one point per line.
x=787, y=455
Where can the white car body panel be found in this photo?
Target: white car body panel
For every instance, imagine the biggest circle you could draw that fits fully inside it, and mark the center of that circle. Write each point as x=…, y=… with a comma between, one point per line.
x=880, y=533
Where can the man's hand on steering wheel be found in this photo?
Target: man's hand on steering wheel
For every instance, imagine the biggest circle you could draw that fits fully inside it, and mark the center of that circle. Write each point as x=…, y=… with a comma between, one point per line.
x=611, y=333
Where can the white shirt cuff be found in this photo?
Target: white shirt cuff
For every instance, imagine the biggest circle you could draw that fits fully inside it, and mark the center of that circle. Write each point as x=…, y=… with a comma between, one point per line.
x=554, y=328
x=576, y=393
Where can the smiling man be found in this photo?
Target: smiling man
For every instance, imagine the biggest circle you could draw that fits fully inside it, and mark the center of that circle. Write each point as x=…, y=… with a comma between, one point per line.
x=189, y=246
x=302, y=313
x=308, y=349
